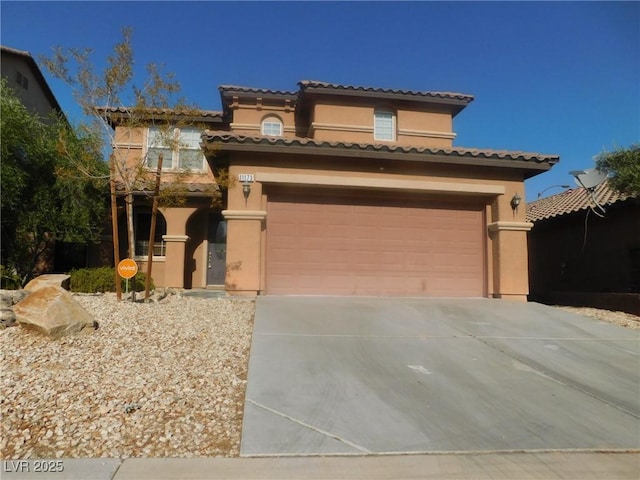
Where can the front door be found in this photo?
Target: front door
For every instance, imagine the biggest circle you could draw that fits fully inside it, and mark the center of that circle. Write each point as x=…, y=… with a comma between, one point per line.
x=217, y=253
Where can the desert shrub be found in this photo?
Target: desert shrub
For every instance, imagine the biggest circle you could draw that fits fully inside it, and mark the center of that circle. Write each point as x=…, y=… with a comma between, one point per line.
x=101, y=279
x=9, y=280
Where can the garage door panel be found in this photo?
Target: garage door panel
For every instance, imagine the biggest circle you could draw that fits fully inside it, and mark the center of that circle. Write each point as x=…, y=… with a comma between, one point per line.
x=373, y=246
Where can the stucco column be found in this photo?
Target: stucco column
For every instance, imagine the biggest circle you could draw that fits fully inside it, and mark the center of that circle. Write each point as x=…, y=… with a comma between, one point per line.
x=508, y=235
x=175, y=240
x=174, y=263
x=244, y=230
x=245, y=216
x=510, y=264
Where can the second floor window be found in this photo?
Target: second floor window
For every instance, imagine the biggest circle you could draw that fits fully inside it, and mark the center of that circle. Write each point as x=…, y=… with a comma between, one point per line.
x=384, y=126
x=272, y=127
x=180, y=148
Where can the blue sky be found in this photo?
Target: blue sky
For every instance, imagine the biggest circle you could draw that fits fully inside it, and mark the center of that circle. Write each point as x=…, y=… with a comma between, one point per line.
x=547, y=77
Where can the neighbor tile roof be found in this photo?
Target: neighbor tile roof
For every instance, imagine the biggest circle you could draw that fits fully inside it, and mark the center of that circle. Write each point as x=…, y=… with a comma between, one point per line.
x=573, y=200
x=227, y=137
x=333, y=86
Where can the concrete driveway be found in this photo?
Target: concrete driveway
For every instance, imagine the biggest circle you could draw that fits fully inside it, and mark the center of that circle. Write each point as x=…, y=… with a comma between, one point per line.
x=345, y=375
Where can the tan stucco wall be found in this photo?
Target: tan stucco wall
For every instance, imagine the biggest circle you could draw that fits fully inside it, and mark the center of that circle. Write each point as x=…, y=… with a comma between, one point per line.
x=247, y=119
x=336, y=122
x=506, y=252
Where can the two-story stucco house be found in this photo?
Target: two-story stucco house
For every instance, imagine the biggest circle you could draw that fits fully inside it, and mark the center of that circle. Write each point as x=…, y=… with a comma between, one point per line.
x=343, y=190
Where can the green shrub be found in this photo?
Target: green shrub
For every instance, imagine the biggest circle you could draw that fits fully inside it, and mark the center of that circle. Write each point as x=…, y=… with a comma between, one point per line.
x=8, y=280
x=101, y=279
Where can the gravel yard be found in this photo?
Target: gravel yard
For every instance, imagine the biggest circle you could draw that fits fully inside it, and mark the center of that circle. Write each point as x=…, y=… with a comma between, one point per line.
x=163, y=379
x=622, y=319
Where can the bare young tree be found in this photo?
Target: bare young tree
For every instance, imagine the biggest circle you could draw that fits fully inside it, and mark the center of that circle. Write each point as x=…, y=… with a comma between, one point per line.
x=111, y=96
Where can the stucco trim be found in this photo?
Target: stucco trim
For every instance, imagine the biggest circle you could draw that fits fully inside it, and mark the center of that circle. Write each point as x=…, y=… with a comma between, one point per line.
x=244, y=214
x=426, y=133
x=510, y=226
x=338, y=127
x=380, y=183
x=175, y=238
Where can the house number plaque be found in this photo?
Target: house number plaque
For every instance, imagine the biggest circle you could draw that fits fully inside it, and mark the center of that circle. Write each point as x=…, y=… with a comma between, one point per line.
x=246, y=177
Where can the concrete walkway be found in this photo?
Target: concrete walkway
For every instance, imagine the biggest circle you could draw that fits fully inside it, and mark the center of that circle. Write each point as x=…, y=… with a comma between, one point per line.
x=361, y=376
x=521, y=466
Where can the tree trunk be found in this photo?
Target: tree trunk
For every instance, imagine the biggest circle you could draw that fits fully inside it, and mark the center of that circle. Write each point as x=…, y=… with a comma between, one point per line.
x=152, y=229
x=114, y=229
x=131, y=236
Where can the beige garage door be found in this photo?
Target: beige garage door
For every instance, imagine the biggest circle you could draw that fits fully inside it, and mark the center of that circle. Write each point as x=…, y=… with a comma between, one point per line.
x=340, y=245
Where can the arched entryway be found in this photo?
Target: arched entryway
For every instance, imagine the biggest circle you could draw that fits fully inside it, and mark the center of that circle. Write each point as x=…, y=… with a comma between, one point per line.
x=217, y=249
x=205, y=255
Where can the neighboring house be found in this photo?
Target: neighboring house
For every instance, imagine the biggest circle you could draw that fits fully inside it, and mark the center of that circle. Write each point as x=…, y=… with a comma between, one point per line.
x=580, y=254
x=342, y=190
x=26, y=79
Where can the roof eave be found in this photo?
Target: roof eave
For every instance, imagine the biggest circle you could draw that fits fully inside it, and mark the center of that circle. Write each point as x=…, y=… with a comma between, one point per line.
x=456, y=104
x=114, y=116
x=529, y=168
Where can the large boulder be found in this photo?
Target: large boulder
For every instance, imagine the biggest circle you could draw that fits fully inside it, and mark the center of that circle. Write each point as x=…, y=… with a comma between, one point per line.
x=48, y=280
x=53, y=311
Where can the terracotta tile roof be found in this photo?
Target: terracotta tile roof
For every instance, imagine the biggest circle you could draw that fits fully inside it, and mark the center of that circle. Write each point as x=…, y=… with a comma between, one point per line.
x=191, y=188
x=163, y=111
x=573, y=200
x=227, y=137
x=265, y=91
x=310, y=84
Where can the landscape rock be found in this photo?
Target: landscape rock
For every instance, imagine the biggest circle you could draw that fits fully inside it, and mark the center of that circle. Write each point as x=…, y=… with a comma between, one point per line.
x=48, y=280
x=54, y=312
x=158, y=380
x=9, y=298
x=7, y=317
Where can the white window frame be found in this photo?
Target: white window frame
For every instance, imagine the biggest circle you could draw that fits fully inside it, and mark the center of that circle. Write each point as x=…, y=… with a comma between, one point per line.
x=180, y=146
x=267, y=127
x=381, y=125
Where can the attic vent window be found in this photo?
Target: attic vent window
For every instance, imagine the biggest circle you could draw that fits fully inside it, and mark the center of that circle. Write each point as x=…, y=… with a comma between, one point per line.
x=22, y=81
x=272, y=127
x=384, y=126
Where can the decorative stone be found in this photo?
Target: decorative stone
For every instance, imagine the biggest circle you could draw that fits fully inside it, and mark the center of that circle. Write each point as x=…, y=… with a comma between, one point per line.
x=54, y=312
x=8, y=298
x=7, y=317
x=54, y=279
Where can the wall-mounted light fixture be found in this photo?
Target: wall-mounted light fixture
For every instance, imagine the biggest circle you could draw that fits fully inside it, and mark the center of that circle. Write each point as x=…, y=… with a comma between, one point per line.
x=246, y=189
x=515, y=202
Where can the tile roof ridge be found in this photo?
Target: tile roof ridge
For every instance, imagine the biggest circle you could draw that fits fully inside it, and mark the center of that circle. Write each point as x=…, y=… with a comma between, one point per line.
x=15, y=51
x=428, y=93
x=227, y=87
